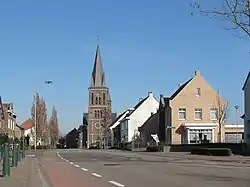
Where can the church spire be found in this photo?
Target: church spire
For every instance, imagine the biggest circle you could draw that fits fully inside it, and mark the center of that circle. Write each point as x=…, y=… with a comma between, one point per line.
x=98, y=75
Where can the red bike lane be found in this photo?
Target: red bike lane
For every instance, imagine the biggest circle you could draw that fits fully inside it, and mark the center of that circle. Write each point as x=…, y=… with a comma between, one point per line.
x=62, y=174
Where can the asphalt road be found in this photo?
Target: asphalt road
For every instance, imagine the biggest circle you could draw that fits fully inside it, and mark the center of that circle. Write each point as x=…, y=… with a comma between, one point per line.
x=117, y=168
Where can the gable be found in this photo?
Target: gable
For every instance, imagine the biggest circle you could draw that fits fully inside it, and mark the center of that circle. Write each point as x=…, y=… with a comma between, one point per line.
x=189, y=91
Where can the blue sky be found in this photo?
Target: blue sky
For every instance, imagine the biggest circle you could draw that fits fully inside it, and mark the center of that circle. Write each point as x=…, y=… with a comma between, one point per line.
x=145, y=46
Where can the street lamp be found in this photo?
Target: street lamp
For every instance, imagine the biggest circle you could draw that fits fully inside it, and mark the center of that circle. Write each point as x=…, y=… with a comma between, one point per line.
x=35, y=113
x=236, y=120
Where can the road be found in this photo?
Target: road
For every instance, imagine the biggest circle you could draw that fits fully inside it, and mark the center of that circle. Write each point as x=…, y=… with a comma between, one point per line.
x=118, y=168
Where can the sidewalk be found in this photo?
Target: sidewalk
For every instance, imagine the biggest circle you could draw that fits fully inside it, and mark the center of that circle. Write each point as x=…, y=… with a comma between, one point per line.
x=26, y=174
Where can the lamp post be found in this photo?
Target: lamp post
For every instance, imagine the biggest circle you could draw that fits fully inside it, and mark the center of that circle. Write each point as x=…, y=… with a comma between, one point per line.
x=35, y=113
x=236, y=120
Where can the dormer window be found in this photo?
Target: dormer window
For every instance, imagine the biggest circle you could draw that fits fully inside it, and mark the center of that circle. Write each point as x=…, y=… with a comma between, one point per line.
x=198, y=92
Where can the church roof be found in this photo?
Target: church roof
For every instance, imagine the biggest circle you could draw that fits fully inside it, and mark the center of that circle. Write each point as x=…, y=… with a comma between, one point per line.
x=98, y=74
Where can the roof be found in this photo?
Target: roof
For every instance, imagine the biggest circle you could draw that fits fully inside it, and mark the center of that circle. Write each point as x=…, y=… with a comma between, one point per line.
x=245, y=83
x=137, y=106
x=149, y=121
x=243, y=116
x=27, y=124
x=118, y=118
x=21, y=128
x=98, y=75
x=180, y=89
x=2, y=116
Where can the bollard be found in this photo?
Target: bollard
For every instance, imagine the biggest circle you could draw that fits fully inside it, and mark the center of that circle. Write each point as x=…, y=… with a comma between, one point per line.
x=18, y=153
x=13, y=164
x=6, y=161
x=2, y=150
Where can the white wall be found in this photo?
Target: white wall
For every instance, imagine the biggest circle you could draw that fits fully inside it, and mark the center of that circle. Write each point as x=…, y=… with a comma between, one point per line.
x=141, y=114
x=247, y=112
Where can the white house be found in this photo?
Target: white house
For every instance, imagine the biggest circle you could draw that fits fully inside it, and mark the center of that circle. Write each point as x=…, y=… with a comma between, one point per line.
x=114, y=124
x=29, y=130
x=246, y=116
x=137, y=116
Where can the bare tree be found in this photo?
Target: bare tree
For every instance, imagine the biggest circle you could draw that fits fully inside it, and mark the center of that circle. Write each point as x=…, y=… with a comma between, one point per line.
x=221, y=108
x=41, y=119
x=106, y=121
x=53, y=126
x=236, y=13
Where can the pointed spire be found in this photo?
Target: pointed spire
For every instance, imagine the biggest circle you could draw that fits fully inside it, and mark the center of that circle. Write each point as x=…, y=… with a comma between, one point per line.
x=98, y=75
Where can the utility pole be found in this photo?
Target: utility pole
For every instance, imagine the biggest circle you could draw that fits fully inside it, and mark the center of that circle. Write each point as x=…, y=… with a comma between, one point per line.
x=236, y=120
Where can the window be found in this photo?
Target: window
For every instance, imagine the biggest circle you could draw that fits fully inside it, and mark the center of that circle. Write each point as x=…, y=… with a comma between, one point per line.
x=198, y=92
x=214, y=114
x=103, y=98
x=182, y=113
x=92, y=98
x=95, y=114
x=98, y=114
x=96, y=100
x=101, y=114
x=100, y=101
x=198, y=114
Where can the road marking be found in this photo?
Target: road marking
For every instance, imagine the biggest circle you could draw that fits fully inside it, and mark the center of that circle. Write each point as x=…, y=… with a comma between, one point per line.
x=116, y=183
x=84, y=169
x=77, y=166
x=71, y=163
x=96, y=175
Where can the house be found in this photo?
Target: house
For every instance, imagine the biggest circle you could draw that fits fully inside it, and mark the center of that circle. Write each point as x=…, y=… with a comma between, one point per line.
x=19, y=131
x=29, y=131
x=151, y=126
x=137, y=116
x=114, y=129
x=189, y=115
x=71, y=139
x=233, y=133
x=246, y=116
x=9, y=122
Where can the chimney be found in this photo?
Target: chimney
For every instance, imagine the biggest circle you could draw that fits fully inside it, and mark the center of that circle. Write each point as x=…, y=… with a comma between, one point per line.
x=197, y=73
x=179, y=85
x=161, y=96
x=150, y=94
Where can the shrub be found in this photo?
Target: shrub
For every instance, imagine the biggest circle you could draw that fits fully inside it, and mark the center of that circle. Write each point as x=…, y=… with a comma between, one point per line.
x=155, y=148
x=212, y=151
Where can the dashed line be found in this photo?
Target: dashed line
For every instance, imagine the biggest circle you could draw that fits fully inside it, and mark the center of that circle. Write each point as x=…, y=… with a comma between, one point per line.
x=96, y=175
x=71, y=163
x=77, y=166
x=84, y=169
x=116, y=183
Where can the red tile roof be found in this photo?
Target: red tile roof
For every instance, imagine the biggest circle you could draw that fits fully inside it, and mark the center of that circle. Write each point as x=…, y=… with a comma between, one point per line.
x=27, y=124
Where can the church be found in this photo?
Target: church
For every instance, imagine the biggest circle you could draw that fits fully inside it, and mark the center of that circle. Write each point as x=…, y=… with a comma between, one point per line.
x=99, y=115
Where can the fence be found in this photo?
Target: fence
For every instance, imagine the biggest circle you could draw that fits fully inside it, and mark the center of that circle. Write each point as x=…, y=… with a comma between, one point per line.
x=11, y=155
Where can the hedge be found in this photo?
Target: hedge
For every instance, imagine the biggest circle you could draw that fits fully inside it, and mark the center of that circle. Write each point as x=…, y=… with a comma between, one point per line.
x=212, y=151
x=155, y=148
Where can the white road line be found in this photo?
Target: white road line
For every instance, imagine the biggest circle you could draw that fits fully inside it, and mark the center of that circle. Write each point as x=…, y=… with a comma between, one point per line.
x=96, y=175
x=84, y=169
x=71, y=163
x=77, y=166
x=116, y=183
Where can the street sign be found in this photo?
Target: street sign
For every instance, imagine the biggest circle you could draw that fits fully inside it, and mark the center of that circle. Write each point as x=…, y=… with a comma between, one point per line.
x=170, y=127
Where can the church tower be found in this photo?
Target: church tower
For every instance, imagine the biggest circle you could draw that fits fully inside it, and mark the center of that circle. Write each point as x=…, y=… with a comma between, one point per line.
x=99, y=107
